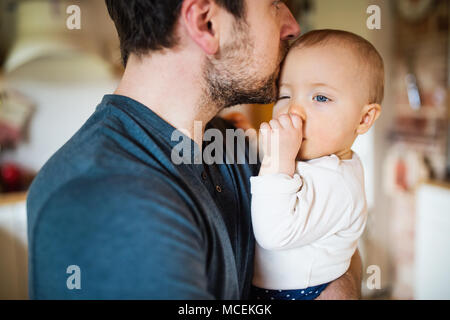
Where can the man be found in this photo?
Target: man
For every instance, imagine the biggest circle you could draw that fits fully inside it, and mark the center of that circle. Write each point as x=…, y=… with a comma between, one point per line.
x=112, y=206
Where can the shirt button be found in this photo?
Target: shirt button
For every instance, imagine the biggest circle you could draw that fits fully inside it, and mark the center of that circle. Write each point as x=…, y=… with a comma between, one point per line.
x=204, y=176
x=218, y=189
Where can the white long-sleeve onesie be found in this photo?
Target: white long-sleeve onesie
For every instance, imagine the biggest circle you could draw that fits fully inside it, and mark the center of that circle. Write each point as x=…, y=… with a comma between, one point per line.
x=307, y=227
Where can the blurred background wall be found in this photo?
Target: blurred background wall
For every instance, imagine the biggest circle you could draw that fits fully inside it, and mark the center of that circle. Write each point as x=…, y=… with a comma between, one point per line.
x=52, y=77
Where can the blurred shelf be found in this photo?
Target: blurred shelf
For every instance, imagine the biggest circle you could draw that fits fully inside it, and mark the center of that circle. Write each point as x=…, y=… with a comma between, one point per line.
x=13, y=197
x=425, y=111
x=438, y=183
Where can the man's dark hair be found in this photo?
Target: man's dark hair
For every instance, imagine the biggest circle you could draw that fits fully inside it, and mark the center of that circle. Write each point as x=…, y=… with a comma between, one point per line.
x=147, y=25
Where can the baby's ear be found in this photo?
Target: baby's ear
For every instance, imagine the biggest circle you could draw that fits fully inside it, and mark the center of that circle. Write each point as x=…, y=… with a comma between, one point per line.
x=369, y=115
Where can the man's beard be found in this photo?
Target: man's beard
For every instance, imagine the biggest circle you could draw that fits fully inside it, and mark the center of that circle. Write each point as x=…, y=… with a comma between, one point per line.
x=230, y=76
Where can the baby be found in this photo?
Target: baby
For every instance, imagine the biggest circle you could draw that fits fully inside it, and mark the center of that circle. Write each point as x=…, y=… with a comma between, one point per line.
x=308, y=202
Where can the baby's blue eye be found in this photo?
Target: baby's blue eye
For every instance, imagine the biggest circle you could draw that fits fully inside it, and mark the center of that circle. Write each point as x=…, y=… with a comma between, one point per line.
x=320, y=98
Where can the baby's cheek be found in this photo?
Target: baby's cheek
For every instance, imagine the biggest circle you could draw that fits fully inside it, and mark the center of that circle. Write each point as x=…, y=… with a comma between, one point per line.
x=326, y=141
x=335, y=136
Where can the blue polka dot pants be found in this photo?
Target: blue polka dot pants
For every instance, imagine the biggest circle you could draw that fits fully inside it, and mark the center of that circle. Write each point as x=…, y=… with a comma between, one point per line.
x=300, y=294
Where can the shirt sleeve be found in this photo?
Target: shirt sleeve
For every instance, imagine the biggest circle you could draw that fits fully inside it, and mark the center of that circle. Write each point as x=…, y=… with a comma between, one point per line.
x=131, y=238
x=291, y=212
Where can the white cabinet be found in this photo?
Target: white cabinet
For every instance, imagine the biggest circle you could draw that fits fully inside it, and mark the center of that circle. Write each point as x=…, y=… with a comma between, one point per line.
x=432, y=260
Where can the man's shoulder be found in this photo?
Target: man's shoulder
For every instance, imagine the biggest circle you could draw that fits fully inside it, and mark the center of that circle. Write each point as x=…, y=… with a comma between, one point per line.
x=104, y=170
x=110, y=145
x=106, y=193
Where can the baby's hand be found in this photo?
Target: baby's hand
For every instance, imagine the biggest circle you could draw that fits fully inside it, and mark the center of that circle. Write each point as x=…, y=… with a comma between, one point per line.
x=281, y=142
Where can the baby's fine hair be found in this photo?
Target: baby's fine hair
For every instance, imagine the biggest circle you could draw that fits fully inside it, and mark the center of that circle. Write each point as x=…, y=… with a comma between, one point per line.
x=363, y=49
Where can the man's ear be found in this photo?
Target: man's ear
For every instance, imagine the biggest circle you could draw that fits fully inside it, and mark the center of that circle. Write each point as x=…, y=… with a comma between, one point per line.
x=200, y=18
x=369, y=115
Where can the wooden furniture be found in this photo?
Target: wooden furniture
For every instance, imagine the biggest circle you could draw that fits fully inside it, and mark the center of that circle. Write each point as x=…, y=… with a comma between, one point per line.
x=13, y=247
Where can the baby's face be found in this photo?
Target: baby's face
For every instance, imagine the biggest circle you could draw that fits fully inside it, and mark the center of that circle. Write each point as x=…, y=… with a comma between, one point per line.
x=326, y=86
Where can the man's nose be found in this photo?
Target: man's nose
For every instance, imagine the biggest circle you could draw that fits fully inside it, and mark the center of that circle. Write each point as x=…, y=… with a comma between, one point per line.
x=290, y=28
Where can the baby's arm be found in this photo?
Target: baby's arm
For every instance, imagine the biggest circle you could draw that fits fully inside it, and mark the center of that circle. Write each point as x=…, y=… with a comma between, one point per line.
x=281, y=142
x=275, y=189
x=292, y=212
x=287, y=210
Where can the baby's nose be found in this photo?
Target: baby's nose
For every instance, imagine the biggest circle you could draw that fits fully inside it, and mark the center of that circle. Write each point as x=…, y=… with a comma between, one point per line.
x=298, y=111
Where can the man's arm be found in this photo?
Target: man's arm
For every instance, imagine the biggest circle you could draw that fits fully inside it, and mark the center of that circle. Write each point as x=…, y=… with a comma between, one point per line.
x=348, y=286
